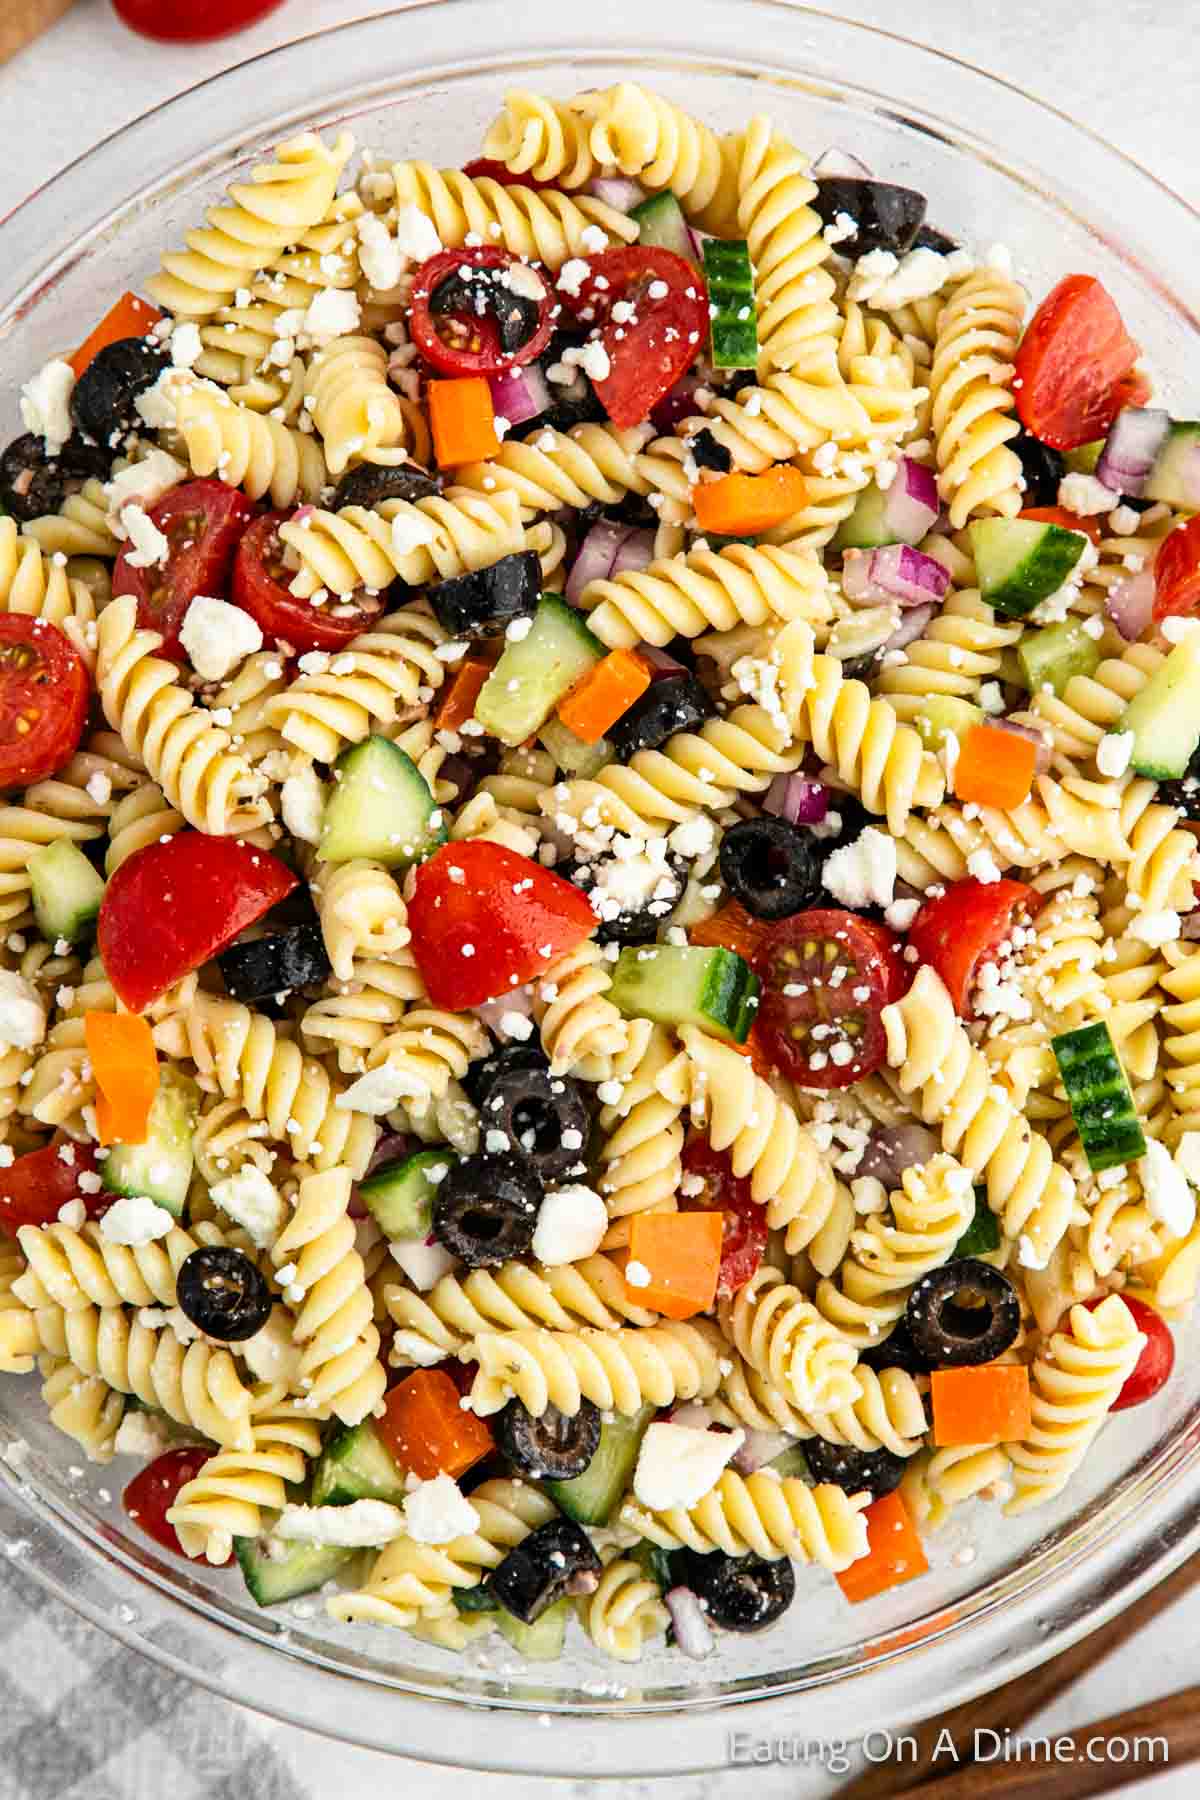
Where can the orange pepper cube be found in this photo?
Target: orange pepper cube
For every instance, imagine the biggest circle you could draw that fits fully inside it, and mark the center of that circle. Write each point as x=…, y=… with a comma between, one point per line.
x=994, y=768
x=605, y=695
x=427, y=1429
x=463, y=421
x=681, y=1254
x=120, y=1047
x=987, y=1405
x=894, y=1552
x=738, y=505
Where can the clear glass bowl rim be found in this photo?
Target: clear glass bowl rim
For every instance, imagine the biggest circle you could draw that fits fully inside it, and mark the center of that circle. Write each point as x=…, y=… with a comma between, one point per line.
x=1107, y=1556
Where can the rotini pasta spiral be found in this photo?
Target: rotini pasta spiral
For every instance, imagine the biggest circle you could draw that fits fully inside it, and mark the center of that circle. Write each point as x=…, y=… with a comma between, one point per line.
x=340, y=1370
x=430, y=1047
x=1181, y=1036
x=39, y=585
x=706, y=591
x=83, y=1406
x=756, y=1515
x=381, y=676
x=959, y=650
x=1090, y=705
x=664, y=147
x=75, y=1269
x=785, y=1338
x=1163, y=857
x=620, y=1369
x=80, y=526
x=418, y=542
x=229, y=1495
x=581, y=1031
x=361, y=1012
x=640, y=1166
x=973, y=414
x=544, y=227
x=1059, y=818
x=888, y=1412
x=353, y=407
x=247, y=449
x=559, y=469
x=362, y=915
x=624, y=1611
x=936, y=1481
x=547, y=139
x=190, y=757
x=798, y=322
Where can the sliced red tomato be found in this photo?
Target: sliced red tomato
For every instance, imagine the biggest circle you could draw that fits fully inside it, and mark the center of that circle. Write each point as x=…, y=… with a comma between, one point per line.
x=36, y=1185
x=202, y=522
x=659, y=332
x=962, y=929
x=1177, y=571
x=1153, y=1367
x=485, y=919
x=1071, y=363
x=480, y=311
x=482, y=168
x=1058, y=515
x=175, y=904
x=44, y=693
x=260, y=587
x=191, y=21
x=744, y=1219
x=826, y=977
x=1133, y=389
x=152, y=1493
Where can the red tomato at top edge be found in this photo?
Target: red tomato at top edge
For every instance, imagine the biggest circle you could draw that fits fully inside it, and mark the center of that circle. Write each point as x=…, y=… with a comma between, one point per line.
x=744, y=1226
x=485, y=920
x=260, y=587
x=826, y=977
x=191, y=21
x=1153, y=1367
x=667, y=331
x=36, y=1185
x=482, y=168
x=960, y=930
x=44, y=693
x=152, y=1493
x=457, y=327
x=1071, y=363
x=1177, y=571
x=174, y=905
x=202, y=522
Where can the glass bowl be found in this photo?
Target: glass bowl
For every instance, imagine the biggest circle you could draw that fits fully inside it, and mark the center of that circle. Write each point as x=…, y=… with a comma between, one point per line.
x=997, y=167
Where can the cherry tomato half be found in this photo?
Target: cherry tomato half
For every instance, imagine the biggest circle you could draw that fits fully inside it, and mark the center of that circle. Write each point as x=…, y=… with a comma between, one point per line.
x=485, y=919
x=960, y=930
x=1153, y=1367
x=480, y=311
x=44, y=692
x=152, y=1493
x=191, y=21
x=744, y=1219
x=175, y=904
x=482, y=168
x=1070, y=365
x=35, y=1185
x=1177, y=571
x=260, y=587
x=202, y=522
x=660, y=331
x=826, y=977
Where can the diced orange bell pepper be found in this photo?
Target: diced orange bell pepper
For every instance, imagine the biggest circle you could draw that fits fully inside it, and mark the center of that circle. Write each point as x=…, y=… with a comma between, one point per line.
x=458, y=702
x=130, y=317
x=681, y=1252
x=994, y=768
x=120, y=1047
x=604, y=695
x=894, y=1552
x=463, y=420
x=985, y=1405
x=733, y=928
x=427, y=1429
x=740, y=505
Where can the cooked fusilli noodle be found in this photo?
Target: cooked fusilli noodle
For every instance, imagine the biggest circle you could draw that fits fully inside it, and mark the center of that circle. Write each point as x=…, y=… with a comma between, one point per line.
x=757, y=1515
x=973, y=414
x=621, y=1370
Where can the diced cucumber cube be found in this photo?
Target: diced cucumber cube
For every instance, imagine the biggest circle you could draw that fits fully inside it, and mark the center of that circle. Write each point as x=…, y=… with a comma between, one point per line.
x=676, y=984
x=66, y=891
x=379, y=807
x=1051, y=657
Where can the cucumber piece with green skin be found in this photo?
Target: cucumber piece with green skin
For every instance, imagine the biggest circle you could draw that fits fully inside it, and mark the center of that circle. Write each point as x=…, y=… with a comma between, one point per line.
x=1098, y=1093
x=66, y=892
x=572, y=755
x=942, y=716
x=379, y=806
x=1165, y=717
x=655, y=1563
x=357, y=1465
x=593, y=1497
x=982, y=1234
x=400, y=1197
x=1051, y=657
x=661, y=224
x=537, y=671
x=865, y=529
x=734, y=328
x=543, y=1640
x=1021, y=562
x=1083, y=460
x=476, y=1599
x=1175, y=474
x=161, y=1167
x=687, y=985
x=302, y=1569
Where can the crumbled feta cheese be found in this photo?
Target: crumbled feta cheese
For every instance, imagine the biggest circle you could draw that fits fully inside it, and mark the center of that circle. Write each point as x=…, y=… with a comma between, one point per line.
x=46, y=404
x=302, y=803
x=141, y=1434
x=381, y=1089
x=332, y=313
x=868, y=1194
x=73, y=1213
x=886, y=281
x=437, y=1512
x=135, y=1219
x=983, y=866
x=1027, y=1256
x=380, y=257
x=424, y=1264
x=22, y=1012
x=150, y=547
x=637, y=1274
x=991, y=697
x=863, y=873
x=571, y=1224
x=843, y=227
x=694, y=838
x=364, y=1523
x=143, y=483
x=572, y=275
x=410, y=530
x=677, y=1464
x=1114, y=752
x=901, y=913
x=1084, y=495
x=1168, y=1197
x=253, y=1203
x=416, y=235
x=218, y=636
x=1155, y=928
x=592, y=359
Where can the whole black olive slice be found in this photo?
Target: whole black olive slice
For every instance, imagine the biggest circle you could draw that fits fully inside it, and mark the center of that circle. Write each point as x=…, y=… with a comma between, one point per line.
x=887, y=217
x=104, y=399
x=772, y=867
x=293, y=958
x=486, y=1209
x=740, y=1593
x=544, y=1118
x=554, y=1560
x=554, y=1447
x=370, y=484
x=962, y=1314
x=222, y=1292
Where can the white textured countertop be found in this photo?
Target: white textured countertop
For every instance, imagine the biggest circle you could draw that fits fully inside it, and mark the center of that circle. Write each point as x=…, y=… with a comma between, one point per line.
x=1128, y=69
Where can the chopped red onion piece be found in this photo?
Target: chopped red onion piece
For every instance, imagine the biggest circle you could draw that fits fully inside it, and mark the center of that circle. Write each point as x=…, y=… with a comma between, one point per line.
x=637, y=552
x=1130, y=604
x=693, y=1633
x=491, y=1012
x=596, y=556
x=390, y=1147
x=617, y=191
x=912, y=503
x=913, y=622
x=519, y=394
x=1190, y=928
x=660, y=663
x=676, y=405
x=894, y=572
x=797, y=799
x=893, y=1148
x=1035, y=737
x=1134, y=441
x=759, y=1448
